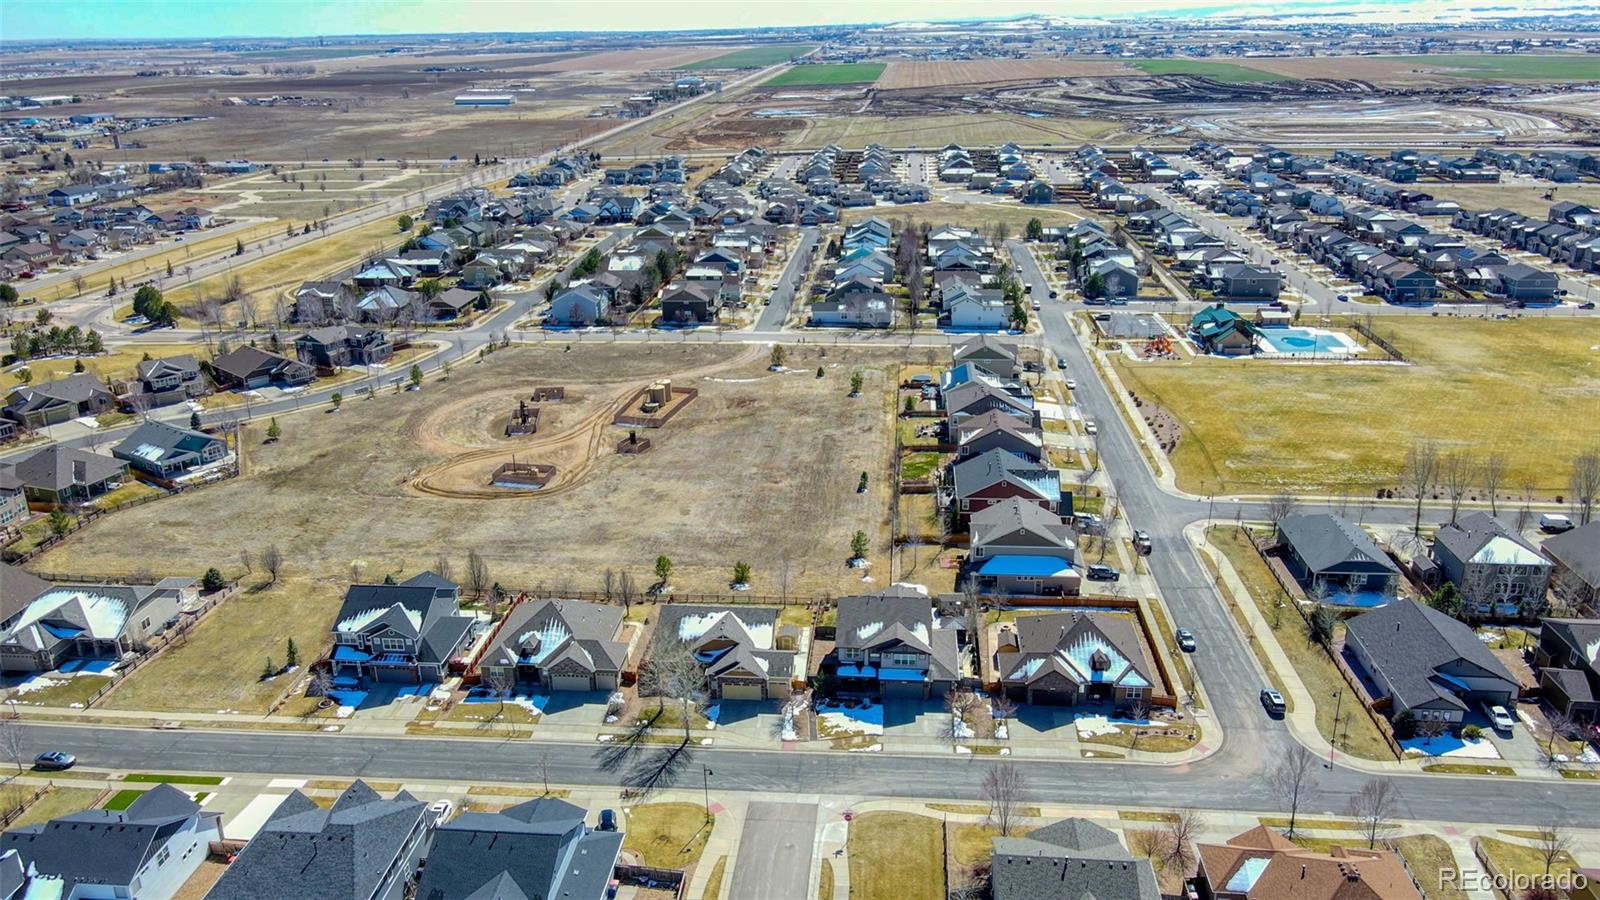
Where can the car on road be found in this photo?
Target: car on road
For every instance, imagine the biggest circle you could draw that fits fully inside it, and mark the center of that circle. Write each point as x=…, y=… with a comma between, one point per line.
x=1090, y=428
x=1502, y=720
x=1141, y=542
x=1273, y=702
x=1343, y=298
x=440, y=810
x=1072, y=383
x=1061, y=363
x=1586, y=305
x=1554, y=523
x=1103, y=573
x=1274, y=261
x=1035, y=306
x=1185, y=640
x=54, y=761
x=1054, y=295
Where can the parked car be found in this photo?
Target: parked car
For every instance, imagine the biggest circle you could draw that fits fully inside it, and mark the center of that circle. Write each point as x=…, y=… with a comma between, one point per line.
x=440, y=811
x=1035, y=306
x=921, y=379
x=1072, y=384
x=1061, y=363
x=1343, y=298
x=1185, y=640
x=1554, y=523
x=608, y=820
x=54, y=761
x=1502, y=720
x=1090, y=428
x=1273, y=701
x=1141, y=542
x=1586, y=305
x=1103, y=573
x=1055, y=294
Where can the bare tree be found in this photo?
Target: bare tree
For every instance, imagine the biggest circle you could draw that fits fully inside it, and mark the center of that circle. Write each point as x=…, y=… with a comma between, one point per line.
x=1138, y=711
x=501, y=680
x=1561, y=725
x=320, y=683
x=12, y=744
x=1428, y=729
x=608, y=583
x=1294, y=781
x=1552, y=843
x=960, y=704
x=672, y=673
x=1585, y=484
x=1177, y=852
x=477, y=574
x=1003, y=789
x=1420, y=471
x=1459, y=473
x=1280, y=507
x=625, y=589
x=1374, y=806
x=544, y=769
x=245, y=559
x=441, y=567
x=272, y=562
x=1494, y=471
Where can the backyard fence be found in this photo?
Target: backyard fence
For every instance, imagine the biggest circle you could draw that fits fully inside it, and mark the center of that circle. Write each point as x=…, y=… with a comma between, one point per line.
x=1362, y=329
x=161, y=642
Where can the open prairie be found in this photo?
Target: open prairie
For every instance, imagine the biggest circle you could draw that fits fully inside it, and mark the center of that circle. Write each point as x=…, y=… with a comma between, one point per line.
x=906, y=74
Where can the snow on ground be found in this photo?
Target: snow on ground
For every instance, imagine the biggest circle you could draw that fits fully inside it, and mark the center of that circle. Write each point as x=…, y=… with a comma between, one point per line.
x=35, y=683
x=836, y=719
x=533, y=703
x=1453, y=747
x=962, y=729
x=1093, y=726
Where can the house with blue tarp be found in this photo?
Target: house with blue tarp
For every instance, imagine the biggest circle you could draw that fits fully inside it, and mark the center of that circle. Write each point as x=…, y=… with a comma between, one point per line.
x=403, y=633
x=894, y=644
x=1067, y=659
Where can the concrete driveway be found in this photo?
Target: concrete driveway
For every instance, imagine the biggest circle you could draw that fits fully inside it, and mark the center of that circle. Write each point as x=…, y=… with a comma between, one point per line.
x=915, y=718
x=750, y=721
x=775, y=852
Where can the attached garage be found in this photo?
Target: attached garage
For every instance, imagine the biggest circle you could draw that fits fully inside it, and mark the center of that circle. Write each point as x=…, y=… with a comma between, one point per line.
x=571, y=683
x=903, y=690
x=736, y=691
x=394, y=675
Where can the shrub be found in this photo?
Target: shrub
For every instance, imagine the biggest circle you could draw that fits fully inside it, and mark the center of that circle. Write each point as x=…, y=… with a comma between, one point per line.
x=212, y=580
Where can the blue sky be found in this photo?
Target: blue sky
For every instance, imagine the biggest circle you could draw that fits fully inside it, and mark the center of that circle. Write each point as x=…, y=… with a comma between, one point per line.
x=44, y=19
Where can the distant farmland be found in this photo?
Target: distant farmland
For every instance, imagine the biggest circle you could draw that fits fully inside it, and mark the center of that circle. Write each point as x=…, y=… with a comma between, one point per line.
x=1519, y=67
x=1217, y=71
x=752, y=57
x=840, y=73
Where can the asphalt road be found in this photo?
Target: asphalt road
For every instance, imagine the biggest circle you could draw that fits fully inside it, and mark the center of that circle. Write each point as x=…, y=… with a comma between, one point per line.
x=776, y=312
x=776, y=849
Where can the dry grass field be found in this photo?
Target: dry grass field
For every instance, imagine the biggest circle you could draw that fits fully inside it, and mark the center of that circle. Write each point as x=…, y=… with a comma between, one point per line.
x=1516, y=195
x=936, y=131
x=1440, y=68
x=968, y=215
x=327, y=190
x=1525, y=388
x=904, y=74
x=639, y=59
x=761, y=468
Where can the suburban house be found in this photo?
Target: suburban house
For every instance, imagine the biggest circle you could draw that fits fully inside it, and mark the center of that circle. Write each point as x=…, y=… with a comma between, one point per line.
x=147, y=850
x=403, y=633
x=974, y=309
x=337, y=346
x=1324, y=551
x=322, y=301
x=538, y=848
x=1262, y=863
x=57, y=475
x=579, y=306
x=995, y=475
x=451, y=304
x=1498, y=573
x=248, y=368
x=166, y=451
x=990, y=354
x=361, y=846
x=1426, y=663
x=13, y=502
x=1072, y=859
x=1575, y=578
x=94, y=623
x=1219, y=330
x=690, y=303
x=169, y=380
x=854, y=309
x=1065, y=659
x=746, y=653
x=558, y=645
x=1242, y=281
x=1568, y=657
x=977, y=397
x=1021, y=548
x=995, y=430
x=54, y=402
x=894, y=644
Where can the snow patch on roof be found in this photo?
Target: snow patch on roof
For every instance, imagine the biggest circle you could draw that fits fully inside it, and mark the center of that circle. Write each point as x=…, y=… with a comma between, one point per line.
x=367, y=616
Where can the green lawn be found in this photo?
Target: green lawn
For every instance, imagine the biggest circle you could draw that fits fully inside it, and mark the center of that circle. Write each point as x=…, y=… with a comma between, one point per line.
x=896, y=856
x=152, y=778
x=918, y=465
x=123, y=799
x=1518, y=67
x=1217, y=71
x=831, y=73
x=1260, y=427
x=667, y=835
x=752, y=57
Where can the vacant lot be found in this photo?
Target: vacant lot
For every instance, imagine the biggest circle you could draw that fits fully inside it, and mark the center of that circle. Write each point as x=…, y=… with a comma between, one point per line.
x=1515, y=195
x=836, y=73
x=305, y=193
x=1433, y=69
x=896, y=855
x=966, y=215
x=753, y=57
x=1216, y=71
x=638, y=59
x=907, y=74
x=761, y=468
x=936, y=131
x=1526, y=388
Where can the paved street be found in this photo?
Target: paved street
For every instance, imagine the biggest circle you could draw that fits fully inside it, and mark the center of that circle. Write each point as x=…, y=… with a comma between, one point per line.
x=776, y=312
x=775, y=852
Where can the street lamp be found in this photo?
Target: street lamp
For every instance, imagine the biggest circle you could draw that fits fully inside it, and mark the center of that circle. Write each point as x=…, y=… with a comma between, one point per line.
x=705, y=784
x=1338, y=701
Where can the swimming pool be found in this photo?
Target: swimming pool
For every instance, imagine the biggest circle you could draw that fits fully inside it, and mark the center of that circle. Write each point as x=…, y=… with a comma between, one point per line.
x=1296, y=341
x=1358, y=599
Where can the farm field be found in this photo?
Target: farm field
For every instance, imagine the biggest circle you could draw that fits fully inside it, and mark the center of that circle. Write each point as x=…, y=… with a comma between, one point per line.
x=752, y=57
x=833, y=73
x=1512, y=67
x=638, y=59
x=1217, y=71
x=936, y=131
x=902, y=75
x=1258, y=427
x=721, y=483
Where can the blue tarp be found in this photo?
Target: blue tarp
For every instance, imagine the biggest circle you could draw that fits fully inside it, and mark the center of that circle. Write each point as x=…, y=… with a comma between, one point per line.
x=887, y=674
x=350, y=654
x=1025, y=566
x=349, y=698
x=848, y=671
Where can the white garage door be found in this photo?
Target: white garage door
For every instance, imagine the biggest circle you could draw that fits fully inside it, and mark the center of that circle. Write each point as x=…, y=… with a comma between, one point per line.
x=570, y=683
x=742, y=692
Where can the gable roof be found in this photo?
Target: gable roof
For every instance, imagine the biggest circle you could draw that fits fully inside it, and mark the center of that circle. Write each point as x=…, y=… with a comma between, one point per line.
x=1011, y=516
x=1479, y=537
x=1262, y=863
x=899, y=617
x=1409, y=642
x=1073, y=859
x=544, y=632
x=1084, y=648
x=53, y=468
x=534, y=850
x=995, y=466
x=76, y=388
x=1578, y=550
x=1327, y=542
x=18, y=588
x=155, y=441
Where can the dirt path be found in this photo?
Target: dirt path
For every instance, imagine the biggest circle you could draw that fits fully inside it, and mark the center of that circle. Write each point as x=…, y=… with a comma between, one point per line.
x=573, y=450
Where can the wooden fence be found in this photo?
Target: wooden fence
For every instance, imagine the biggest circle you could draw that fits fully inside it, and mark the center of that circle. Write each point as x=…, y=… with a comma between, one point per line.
x=1393, y=351
x=161, y=642
x=671, y=879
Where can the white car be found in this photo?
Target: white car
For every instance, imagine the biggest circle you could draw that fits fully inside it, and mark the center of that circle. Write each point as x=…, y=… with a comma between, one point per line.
x=1503, y=722
x=1089, y=427
x=1072, y=385
x=440, y=811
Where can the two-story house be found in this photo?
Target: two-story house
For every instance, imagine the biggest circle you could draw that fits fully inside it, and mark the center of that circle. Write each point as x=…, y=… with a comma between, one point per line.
x=1021, y=548
x=995, y=475
x=1568, y=657
x=746, y=653
x=171, y=379
x=540, y=848
x=403, y=633
x=894, y=644
x=559, y=645
x=337, y=346
x=1498, y=573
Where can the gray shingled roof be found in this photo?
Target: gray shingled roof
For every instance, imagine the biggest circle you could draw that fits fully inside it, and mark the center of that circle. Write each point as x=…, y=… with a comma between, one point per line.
x=52, y=468
x=589, y=627
x=1072, y=859
x=1409, y=642
x=538, y=849
x=1330, y=543
x=1578, y=550
x=882, y=619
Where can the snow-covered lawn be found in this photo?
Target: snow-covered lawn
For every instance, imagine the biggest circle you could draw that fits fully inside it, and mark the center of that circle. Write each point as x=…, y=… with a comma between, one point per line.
x=1451, y=746
x=1093, y=726
x=837, y=721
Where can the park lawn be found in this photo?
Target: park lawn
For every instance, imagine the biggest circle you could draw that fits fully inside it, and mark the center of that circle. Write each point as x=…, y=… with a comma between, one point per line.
x=752, y=57
x=218, y=667
x=1521, y=860
x=1261, y=427
x=59, y=801
x=667, y=835
x=1359, y=736
x=1519, y=67
x=1426, y=853
x=896, y=856
x=1217, y=71
x=828, y=73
